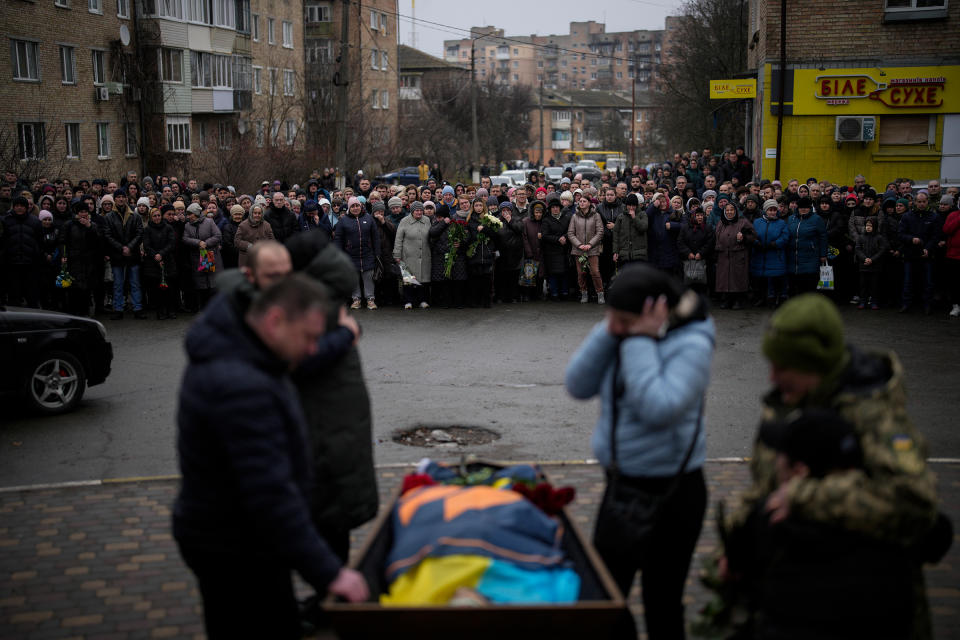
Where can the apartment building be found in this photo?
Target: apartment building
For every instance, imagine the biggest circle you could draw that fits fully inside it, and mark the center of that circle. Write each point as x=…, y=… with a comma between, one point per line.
x=64, y=107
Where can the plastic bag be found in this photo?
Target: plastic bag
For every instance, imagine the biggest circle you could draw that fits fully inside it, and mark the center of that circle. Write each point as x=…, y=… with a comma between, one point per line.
x=206, y=263
x=528, y=273
x=408, y=278
x=694, y=272
x=826, y=282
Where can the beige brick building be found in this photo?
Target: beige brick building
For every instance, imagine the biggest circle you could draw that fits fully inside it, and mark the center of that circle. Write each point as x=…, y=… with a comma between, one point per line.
x=64, y=111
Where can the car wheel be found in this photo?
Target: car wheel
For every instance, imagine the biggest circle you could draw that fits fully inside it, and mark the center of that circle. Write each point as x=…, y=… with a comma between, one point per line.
x=55, y=383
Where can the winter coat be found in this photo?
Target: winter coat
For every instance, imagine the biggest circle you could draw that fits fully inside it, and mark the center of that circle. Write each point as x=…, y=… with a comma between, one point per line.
x=806, y=244
x=160, y=239
x=123, y=233
x=239, y=411
x=874, y=246
x=282, y=221
x=247, y=235
x=586, y=229
x=733, y=256
x=481, y=262
x=531, y=243
x=610, y=213
x=662, y=242
x=696, y=239
x=919, y=224
x=412, y=247
x=554, y=253
x=838, y=234
x=769, y=258
x=359, y=237
x=857, y=219
x=204, y=229
x=228, y=250
x=951, y=233
x=439, y=245
x=387, y=231
x=630, y=237
x=81, y=246
x=21, y=240
x=510, y=244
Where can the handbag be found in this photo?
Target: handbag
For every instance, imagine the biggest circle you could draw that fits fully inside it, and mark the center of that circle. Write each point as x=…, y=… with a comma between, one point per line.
x=826, y=282
x=206, y=263
x=528, y=273
x=694, y=272
x=629, y=509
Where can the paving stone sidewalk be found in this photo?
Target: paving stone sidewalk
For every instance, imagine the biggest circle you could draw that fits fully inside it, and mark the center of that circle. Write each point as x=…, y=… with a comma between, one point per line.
x=98, y=562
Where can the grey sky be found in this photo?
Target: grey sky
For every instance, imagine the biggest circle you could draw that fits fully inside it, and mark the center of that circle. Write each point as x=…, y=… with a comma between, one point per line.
x=525, y=17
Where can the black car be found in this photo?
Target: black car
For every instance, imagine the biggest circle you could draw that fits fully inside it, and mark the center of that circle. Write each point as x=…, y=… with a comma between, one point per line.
x=407, y=175
x=50, y=358
x=587, y=171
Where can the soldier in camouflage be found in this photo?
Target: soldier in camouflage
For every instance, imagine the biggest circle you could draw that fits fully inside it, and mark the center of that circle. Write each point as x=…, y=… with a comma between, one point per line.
x=892, y=498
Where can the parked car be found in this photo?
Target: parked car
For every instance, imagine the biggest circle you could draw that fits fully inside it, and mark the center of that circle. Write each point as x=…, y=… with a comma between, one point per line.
x=50, y=358
x=502, y=180
x=407, y=175
x=590, y=172
x=554, y=174
x=518, y=176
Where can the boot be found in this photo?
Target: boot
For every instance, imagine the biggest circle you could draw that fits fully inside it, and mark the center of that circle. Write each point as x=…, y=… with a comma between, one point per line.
x=583, y=297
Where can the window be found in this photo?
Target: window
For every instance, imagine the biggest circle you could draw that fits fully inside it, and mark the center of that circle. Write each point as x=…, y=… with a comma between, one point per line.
x=273, y=81
x=95, y=6
x=619, y=75
x=171, y=8
x=287, y=34
x=270, y=36
x=901, y=130
x=129, y=140
x=318, y=12
x=384, y=99
x=23, y=54
x=289, y=83
x=639, y=116
x=178, y=135
x=255, y=27
x=291, y=131
x=899, y=10
x=374, y=59
x=147, y=7
x=539, y=64
x=63, y=4
x=593, y=76
x=516, y=51
x=242, y=73
x=103, y=140
x=375, y=99
x=99, y=68
x=374, y=20
x=221, y=74
x=202, y=134
x=383, y=61
x=225, y=133
x=123, y=9
x=200, y=69
x=259, y=132
x=593, y=62
x=71, y=136
x=319, y=51
x=32, y=141
x=516, y=65
x=225, y=13
x=274, y=131
x=171, y=65
x=198, y=11
x=383, y=23
x=561, y=116
x=258, y=80
x=243, y=16
x=68, y=65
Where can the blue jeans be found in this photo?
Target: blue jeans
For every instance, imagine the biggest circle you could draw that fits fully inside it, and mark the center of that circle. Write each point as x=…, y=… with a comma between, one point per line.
x=119, y=273
x=912, y=271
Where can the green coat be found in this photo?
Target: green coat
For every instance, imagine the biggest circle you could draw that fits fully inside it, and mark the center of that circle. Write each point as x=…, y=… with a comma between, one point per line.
x=630, y=236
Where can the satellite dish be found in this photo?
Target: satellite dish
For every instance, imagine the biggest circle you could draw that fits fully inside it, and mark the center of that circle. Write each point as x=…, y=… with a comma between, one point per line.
x=124, y=35
x=242, y=126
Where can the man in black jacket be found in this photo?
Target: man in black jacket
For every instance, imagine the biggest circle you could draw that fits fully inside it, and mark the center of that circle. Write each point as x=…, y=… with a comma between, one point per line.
x=241, y=520
x=124, y=235
x=20, y=248
x=282, y=221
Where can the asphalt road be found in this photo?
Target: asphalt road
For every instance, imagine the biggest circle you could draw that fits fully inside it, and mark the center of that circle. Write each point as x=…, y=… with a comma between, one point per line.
x=500, y=368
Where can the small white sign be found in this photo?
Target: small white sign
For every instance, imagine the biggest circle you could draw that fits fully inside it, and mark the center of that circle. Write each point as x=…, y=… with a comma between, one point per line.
x=771, y=153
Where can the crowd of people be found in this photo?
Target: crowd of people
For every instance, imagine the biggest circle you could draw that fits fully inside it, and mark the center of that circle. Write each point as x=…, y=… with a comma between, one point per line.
x=80, y=248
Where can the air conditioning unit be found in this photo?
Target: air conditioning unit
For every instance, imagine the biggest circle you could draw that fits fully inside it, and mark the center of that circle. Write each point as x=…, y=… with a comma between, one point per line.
x=103, y=94
x=855, y=128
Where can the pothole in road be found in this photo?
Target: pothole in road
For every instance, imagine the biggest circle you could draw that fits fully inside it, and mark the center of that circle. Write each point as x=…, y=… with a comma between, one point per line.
x=451, y=437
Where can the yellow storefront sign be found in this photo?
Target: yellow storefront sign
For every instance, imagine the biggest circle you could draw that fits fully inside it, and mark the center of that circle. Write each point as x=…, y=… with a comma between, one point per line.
x=733, y=89
x=876, y=91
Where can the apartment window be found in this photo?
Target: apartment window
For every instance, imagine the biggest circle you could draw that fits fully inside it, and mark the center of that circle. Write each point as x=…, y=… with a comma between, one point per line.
x=202, y=134
x=99, y=67
x=129, y=140
x=198, y=11
x=32, y=141
x=374, y=59
x=225, y=14
x=289, y=83
x=270, y=36
x=63, y=4
x=171, y=65
x=291, y=131
x=383, y=23
x=540, y=64
x=593, y=76
x=384, y=99
x=563, y=77
x=639, y=116
x=200, y=69
x=171, y=8
x=561, y=116
x=71, y=135
x=95, y=6
x=255, y=27
x=23, y=54
x=242, y=73
x=374, y=20
x=318, y=12
x=221, y=75
x=899, y=10
x=243, y=16
x=274, y=131
x=257, y=80
x=593, y=61
x=383, y=61
x=516, y=51
x=178, y=135
x=260, y=132
x=103, y=140
x=68, y=65
x=273, y=81
x=123, y=9
x=319, y=51
x=515, y=77
x=225, y=133
x=287, y=34
x=516, y=65
x=374, y=99
x=619, y=75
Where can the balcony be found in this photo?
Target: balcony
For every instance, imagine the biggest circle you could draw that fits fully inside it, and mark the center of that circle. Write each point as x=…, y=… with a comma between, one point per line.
x=503, y=53
x=560, y=124
x=411, y=93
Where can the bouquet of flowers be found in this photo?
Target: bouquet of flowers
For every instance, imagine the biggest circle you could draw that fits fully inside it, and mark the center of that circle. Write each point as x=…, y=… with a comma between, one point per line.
x=456, y=233
x=64, y=279
x=491, y=224
x=163, y=277
x=583, y=261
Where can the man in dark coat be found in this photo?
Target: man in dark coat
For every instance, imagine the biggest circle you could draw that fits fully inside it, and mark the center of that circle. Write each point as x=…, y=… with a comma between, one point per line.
x=283, y=221
x=20, y=247
x=241, y=519
x=124, y=235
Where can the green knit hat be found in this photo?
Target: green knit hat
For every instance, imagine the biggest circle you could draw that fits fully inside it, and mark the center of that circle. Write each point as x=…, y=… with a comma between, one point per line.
x=806, y=334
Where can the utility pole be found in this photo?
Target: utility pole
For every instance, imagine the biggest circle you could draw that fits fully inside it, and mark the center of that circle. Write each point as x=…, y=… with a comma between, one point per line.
x=475, y=150
x=542, y=162
x=342, y=82
x=633, y=120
